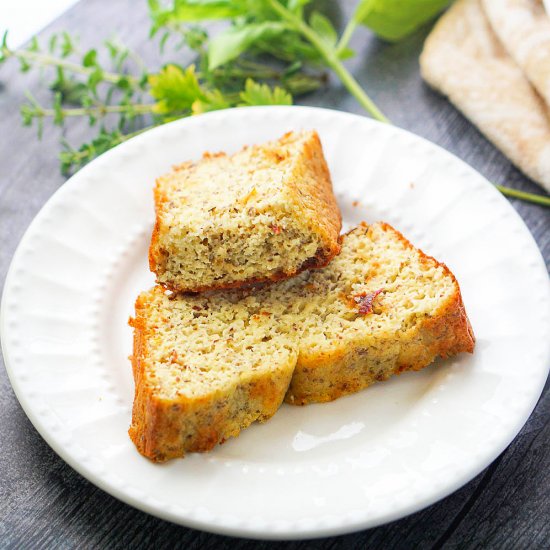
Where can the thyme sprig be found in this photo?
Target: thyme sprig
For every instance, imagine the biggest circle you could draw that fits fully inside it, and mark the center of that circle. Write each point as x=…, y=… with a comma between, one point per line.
x=125, y=98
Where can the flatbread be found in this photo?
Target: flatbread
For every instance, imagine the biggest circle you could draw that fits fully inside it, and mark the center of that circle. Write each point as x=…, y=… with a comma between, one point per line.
x=464, y=60
x=523, y=28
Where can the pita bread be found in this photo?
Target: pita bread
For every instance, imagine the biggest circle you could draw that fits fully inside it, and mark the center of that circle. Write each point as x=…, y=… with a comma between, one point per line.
x=464, y=60
x=523, y=27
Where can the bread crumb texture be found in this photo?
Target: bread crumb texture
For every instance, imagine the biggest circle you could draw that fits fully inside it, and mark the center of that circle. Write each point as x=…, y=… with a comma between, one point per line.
x=207, y=366
x=264, y=213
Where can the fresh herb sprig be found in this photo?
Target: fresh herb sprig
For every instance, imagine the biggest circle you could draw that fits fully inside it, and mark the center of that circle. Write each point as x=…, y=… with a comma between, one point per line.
x=125, y=99
x=269, y=27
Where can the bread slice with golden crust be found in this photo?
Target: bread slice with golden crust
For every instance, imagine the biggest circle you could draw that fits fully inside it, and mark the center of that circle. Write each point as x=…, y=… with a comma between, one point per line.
x=262, y=214
x=382, y=307
x=206, y=366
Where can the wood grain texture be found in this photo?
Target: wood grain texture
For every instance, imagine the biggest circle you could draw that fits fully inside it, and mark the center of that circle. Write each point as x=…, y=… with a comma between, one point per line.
x=45, y=504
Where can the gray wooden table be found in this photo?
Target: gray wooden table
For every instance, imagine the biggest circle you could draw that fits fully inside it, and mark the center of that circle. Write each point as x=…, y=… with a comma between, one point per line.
x=46, y=504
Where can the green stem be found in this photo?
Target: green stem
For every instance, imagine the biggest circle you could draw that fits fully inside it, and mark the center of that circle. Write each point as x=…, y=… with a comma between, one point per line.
x=247, y=64
x=236, y=72
x=50, y=60
x=529, y=197
x=331, y=59
x=361, y=11
x=353, y=86
x=346, y=36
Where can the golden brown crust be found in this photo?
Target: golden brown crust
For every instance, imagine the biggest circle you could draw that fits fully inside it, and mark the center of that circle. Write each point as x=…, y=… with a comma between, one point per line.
x=139, y=413
x=310, y=187
x=325, y=377
x=155, y=259
x=165, y=429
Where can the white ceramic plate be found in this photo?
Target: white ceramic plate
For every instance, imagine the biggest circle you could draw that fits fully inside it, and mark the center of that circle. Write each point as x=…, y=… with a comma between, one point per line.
x=313, y=471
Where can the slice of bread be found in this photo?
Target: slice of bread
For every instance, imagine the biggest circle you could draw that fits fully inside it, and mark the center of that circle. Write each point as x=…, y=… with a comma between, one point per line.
x=382, y=307
x=207, y=366
x=204, y=368
x=264, y=213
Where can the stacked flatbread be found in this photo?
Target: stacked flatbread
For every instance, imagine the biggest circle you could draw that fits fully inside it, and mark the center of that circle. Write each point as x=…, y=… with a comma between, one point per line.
x=492, y=59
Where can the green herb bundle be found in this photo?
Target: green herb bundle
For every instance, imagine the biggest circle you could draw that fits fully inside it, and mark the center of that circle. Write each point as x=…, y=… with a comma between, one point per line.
x=267, y=52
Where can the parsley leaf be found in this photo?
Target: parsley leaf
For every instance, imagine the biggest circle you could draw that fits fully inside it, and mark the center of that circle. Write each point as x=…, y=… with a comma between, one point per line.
x=211, y=101
x=261, y=94
x=175, y=89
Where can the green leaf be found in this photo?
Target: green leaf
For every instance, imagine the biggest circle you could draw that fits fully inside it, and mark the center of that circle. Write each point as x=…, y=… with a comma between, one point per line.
x=289, y=46
x=233, y=42
x=186, y=11
x=345, y=53
x=293, y=68
x=31, y=112
x=144, y=80
x=58, y=110
x=96, y=76
x=324, y=28
x=34, y=46
x=67, y=46
x=123, y=83
x=175, y=89
x=112, y=48
x=261, y=94
x=212, y=101
x=52, y=43
x=4, y=50
x=24, y=65
x=105, y=140
x=195, y=37
x=163, y=40
x=27, y=114
x=90, y=58
x=395, y=19
x=87, y=101
x=71, y=90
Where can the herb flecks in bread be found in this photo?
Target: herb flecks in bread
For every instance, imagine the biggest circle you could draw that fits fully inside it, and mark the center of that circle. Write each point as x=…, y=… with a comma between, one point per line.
x=264, y=213
x=208, y=366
